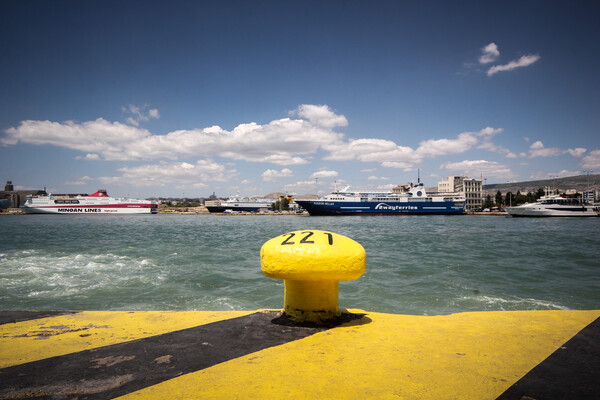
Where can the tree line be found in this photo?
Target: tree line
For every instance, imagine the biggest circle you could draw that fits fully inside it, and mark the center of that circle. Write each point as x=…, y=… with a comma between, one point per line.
x=512, y=199
x=283, y=204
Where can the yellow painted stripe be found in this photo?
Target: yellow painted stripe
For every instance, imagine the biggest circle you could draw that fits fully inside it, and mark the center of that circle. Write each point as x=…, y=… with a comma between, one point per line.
x=54, y=336
x=475, y=355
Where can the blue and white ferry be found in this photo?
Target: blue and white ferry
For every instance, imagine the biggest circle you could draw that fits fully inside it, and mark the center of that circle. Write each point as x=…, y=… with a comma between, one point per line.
x=405, y=199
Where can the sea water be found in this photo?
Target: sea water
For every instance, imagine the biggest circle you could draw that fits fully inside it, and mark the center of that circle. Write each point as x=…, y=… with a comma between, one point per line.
x=423, y=265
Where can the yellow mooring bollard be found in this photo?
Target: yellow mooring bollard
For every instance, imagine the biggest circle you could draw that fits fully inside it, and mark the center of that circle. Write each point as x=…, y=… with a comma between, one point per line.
x=311, y=262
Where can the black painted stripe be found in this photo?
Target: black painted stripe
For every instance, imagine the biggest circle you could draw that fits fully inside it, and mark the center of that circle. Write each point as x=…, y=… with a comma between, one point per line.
x=571, y=372
x=119, y=369
x=10, y=317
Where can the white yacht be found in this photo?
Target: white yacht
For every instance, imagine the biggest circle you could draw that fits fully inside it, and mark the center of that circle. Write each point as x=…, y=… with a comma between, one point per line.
x=555, y=206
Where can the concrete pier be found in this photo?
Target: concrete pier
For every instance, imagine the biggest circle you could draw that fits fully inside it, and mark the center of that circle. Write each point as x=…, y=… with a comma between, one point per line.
x=255, y=355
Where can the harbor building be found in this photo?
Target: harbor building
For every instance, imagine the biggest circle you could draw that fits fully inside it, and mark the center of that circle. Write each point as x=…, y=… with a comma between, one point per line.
x=470, y=187
x=17, y=197
x=590, y=196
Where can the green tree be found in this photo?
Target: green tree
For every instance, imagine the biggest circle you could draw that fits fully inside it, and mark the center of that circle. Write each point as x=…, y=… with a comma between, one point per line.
x=540, y=192
x=499, y=200
x=520, y=198
x=488, y=203
x=283, y=204
x=530, y=197
x=509, y=199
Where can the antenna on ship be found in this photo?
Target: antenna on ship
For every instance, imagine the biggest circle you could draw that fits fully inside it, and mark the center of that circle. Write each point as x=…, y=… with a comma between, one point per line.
x=418, y=176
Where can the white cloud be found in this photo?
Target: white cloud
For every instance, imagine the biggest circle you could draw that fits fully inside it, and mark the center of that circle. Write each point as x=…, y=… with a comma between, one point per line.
x=284, y=142
x=176, y=173
x=84, y=180
x=271, y=175
x=438, y=147
x=89, y=157
x=395, y=164
x=112, y=140
x=490, y=54
x=592, y=160
x=463, y=142
x=153, y=113
x=139, y=114
x=324, y=174
x=537, y=149
x=487, y=144
x=390, y=154
x=281, y=142
x=302, y=187
x=368, y=170
x=577, y=152
x=473, y=168
x=378, y=150
x=378, y=178
x=524, y=61
x=320, y=116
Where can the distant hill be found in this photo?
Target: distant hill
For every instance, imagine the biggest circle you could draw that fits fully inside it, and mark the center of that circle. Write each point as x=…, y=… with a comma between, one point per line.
x=579, y=183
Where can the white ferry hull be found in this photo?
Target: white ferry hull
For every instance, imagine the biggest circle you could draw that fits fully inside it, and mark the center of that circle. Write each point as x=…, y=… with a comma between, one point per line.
x=104, y=209
x=98, y=203
x=533, y=211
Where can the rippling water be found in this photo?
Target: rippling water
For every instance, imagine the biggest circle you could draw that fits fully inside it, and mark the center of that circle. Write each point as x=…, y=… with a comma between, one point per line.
x=421, y=265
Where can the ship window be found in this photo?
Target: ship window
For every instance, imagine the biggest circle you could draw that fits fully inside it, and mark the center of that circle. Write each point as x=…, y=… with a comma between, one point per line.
x=67, y=201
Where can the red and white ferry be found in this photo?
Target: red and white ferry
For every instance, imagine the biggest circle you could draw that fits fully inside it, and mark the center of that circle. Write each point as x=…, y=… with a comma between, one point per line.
x=96, y=203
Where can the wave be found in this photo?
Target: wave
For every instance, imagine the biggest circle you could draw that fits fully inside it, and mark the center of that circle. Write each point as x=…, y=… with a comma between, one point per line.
x=515, y=303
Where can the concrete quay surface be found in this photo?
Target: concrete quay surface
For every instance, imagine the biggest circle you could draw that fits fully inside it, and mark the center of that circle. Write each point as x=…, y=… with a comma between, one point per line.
x=528, y=355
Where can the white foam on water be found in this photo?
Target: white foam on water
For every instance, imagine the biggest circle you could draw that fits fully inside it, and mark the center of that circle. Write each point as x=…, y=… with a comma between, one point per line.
x=515, y=303
x=31, y=274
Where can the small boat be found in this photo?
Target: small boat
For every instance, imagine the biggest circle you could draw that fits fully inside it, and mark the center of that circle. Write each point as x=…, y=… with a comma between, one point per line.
x=96, y=203
x=554, y=206
x=405, y=199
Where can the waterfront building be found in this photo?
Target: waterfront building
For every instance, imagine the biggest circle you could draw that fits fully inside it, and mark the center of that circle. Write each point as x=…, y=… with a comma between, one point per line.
x=470, y=187
x=17, y=197
x=590, y=196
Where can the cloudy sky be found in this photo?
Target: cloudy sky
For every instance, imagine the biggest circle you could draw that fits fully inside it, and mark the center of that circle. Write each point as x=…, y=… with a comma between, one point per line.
x=186, y=98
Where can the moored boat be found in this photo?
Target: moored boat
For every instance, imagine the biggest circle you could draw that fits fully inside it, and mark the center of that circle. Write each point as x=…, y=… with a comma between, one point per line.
x=554, y=206
x=406, y=199
x=237, y=203
x=96, y=203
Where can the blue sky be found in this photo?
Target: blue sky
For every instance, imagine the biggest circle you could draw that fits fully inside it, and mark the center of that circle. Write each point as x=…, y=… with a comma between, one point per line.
x=188, y=98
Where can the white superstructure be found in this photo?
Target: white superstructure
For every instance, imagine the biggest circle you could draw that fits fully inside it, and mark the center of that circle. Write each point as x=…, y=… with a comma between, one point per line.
x=96, y=203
